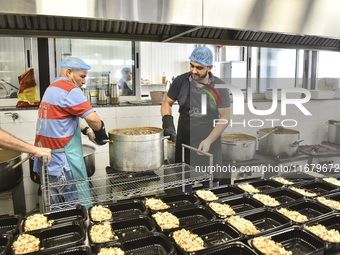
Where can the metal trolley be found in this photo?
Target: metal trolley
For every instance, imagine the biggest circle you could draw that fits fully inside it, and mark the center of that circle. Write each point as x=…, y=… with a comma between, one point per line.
x=113, y=187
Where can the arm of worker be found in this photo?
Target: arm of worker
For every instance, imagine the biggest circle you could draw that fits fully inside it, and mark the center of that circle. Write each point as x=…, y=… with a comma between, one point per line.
x=220, y=126
x=98, y=128
x=10, y=142
x=167, y=119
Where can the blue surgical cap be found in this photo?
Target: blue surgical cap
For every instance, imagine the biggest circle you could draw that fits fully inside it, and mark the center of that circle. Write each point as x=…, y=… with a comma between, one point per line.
x=202, y=55
x=126, y=70
x=75, y=64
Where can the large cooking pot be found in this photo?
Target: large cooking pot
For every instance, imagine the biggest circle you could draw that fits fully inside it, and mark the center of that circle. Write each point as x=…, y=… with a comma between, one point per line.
x=334, y=131
x=136, y=148
x=89, y=158
x=170, y=152
x=238, y=147
x=282, y=142
x=9, y=177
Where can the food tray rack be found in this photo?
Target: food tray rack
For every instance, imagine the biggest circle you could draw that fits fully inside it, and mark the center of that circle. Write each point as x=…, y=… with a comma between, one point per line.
x=110, y=188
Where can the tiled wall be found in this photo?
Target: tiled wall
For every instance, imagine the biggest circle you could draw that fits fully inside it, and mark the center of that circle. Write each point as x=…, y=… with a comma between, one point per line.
x=312, y=128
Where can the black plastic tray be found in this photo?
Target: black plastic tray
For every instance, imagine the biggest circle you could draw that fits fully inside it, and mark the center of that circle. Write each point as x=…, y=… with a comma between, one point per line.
x=153, y=243
x=230, y=248
x=266, y=220
x=330, y=222
x=177, y=200
x=10, y=224
x=69, y=234
x=296, y=240
x=263, y=185
x=5, y=244
x=238, y=204
x=284, y=195
x=296, y=177
x=80, y=250
x=336, y=177
x=123, y=209
x=309, y=208
x=212, y=233
x=190, y=215
x=77, y=213
x=224, y=191
x=333, y=196
x=317, y=186
x=126, y=228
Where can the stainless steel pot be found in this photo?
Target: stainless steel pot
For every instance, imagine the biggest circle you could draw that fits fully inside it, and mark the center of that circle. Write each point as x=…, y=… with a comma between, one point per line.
x=9, y=177
x=282, y=142
x=238, y=147
x=89, y=158
x=170, y=152
x=334, y=131
x=131, y=151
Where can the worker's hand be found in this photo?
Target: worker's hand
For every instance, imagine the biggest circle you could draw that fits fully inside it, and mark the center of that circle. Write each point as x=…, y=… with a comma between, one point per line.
x=90, y=134
x=169, y=127
x=101, y=136
x=40, y=152
x=204, y=146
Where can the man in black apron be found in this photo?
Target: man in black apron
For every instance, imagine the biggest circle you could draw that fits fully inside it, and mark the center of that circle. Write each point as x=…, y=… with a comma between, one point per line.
x=200, y=125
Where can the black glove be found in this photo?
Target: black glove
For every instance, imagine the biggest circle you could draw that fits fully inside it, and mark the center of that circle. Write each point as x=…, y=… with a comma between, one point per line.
x=169, y=127
x=101, y=135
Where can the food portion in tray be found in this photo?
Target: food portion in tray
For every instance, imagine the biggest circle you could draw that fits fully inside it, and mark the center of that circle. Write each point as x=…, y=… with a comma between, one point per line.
x=329, y=202
x=332, y=180
x=26, y=243
x=166, y=220
x=222, y=209
x=37, y=221
x=102, y=232
x=155, y=204
x=243, y=225
x=100, y=213
x=268, y=246
x=206, y=195
x=249, y=188
x=304, y=192
x=293, y=215
x=188, y=241
x=266, y=199
x=283, y=180
x=331, y=235
x=111, y=251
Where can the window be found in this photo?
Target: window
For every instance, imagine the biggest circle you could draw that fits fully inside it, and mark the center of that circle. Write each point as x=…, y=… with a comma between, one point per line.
x=110, y=61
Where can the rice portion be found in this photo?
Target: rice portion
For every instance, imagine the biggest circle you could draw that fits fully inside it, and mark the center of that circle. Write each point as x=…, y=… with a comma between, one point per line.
x=249, y=188
x=111, y=251
x=25, y=244
x=222, y=209
x=266, y=199
x=37, y=221
x=304, y=192
x=332, y=235
x=102, y=232
x=100, y=213
x=206, y=195
x=283, y=180
x=329, y=202
x=293, y=215
x=156, y=204
x=245, y=226
x=188, y=241
x=332, y=180
x=166, y=220
x=269, y=247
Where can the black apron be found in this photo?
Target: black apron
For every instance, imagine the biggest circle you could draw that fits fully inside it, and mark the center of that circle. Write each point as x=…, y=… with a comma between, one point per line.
x=193, y=128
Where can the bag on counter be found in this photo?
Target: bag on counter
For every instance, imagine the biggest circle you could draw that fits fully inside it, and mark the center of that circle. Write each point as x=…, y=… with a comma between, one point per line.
x=28, y=92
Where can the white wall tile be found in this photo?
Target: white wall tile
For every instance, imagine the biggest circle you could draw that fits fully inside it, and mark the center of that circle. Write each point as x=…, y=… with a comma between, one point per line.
x=132, y=111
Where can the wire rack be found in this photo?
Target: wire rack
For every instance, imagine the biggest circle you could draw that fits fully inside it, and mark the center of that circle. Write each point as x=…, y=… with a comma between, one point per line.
x=117, y=186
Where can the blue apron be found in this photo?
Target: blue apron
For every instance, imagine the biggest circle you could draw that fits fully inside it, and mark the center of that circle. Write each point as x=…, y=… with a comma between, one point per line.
x=74, y=155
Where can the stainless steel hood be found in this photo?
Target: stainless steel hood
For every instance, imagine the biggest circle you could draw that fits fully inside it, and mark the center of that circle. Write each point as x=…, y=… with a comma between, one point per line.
x=306, y=24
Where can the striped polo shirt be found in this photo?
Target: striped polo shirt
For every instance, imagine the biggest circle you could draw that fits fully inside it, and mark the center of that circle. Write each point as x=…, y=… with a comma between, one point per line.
x=58, y=118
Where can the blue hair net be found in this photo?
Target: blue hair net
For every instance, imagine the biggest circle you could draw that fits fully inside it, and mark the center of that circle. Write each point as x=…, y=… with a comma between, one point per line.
x=202, y=55
x=126, y=70
x=75, y=64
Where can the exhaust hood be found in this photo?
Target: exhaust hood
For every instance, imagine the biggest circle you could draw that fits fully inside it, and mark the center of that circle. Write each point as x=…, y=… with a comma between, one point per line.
x=305, y=24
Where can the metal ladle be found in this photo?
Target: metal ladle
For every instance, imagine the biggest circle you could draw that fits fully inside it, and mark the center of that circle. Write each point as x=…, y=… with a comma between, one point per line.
x=275, y=129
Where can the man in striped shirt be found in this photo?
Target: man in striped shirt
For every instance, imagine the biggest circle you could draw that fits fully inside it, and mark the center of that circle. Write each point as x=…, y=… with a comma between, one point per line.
x=58, y=128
